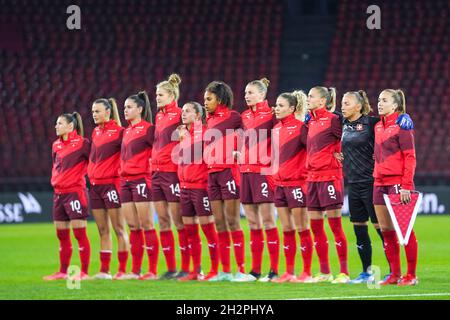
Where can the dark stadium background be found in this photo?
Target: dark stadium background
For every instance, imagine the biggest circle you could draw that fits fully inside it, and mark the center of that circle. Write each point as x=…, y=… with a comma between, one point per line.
x=126, y=46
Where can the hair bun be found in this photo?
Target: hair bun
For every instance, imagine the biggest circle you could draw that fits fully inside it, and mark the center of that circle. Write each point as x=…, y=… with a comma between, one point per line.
x=174, y=79
x=265, y=81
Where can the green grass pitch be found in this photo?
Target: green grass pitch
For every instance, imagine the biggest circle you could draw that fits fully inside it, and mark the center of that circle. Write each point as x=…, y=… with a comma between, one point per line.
x=29, y=251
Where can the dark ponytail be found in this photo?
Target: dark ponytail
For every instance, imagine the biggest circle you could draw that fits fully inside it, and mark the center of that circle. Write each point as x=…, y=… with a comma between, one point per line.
x=142, y=100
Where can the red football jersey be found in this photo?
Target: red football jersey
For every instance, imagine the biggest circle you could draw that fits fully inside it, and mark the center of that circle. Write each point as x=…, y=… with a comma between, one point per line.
x=289, y=136
x=324, y=139
x=70, y=159
x=167, y=121
x=221, y=138
x=136, y=150
x=192, y=169
x=395, y=156
x=104, y=160
x=256, y=147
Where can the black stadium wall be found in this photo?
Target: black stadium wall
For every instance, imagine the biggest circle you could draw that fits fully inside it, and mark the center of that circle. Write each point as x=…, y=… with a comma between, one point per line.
x=34, y=207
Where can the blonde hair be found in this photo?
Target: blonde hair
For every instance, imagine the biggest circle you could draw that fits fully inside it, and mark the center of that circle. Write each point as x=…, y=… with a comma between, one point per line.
x=300, y=108
x=171, y=85
x=363, y=100
x=330, y=95
x=297, y=99
x=399, y=98
x=261, y=84
x=111, y=104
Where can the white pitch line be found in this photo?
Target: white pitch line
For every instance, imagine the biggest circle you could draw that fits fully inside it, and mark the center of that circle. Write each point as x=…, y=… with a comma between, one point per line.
x=379, y=296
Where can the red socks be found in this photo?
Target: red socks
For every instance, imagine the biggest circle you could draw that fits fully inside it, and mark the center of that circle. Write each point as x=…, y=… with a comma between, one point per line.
x=184, y=249
x=341, y=242
x=65, y=249
x=168, y=244
x=321, y=244
x=306, y=246
x=290, y=248
x=211, y=236
x=273, y=245
x=392, y=248
x=195, y=245
x=105, y=260
x=84, y=248
x=224, y=248
x=137, y=250
x=123, y=259
x=152, y=246
x=256, y=247
x=239, y=249
x=411, y=254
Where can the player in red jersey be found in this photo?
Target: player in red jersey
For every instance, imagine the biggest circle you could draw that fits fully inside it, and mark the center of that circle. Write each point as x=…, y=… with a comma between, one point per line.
x=395, y=163
x=256, y=188
x=70, y=154
x=103, y=173
x=135, y=188
x=166, y=185
x=289, y=136
x=223, y=176
x=325, y=180
x=195, y=206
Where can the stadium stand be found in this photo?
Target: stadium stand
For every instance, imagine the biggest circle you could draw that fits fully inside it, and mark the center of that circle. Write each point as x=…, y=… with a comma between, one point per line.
x=123, y=47
x=409, y=52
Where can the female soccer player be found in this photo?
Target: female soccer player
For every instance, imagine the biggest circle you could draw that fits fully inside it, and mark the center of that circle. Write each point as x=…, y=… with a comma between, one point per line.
x=325, y=181
x=103, y=173
x=395, y=163
x=166, y=185
x=223, y=178
x=256, y=189
x=70, y=154
x=290, y=194
x=135, y=186
x=195, y=206
x=357, y=155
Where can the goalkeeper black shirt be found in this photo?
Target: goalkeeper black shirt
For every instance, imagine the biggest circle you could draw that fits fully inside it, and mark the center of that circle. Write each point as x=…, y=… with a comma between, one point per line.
x=357, y=147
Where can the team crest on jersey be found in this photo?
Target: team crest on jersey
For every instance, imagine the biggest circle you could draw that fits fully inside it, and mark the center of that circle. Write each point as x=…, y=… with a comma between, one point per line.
x=359, y=127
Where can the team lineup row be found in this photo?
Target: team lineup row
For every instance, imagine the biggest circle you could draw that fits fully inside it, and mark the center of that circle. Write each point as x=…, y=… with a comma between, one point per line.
x=196, y=164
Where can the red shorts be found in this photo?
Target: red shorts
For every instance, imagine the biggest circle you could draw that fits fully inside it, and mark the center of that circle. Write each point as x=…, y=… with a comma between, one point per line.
x=70, y=206
x=378, y=192
x=291, y=197
x=325, y=195
x=135, y=191
x=166, y=186
x=194, y=202
x=223, y=185
x=256, y=188
x=104, y=196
